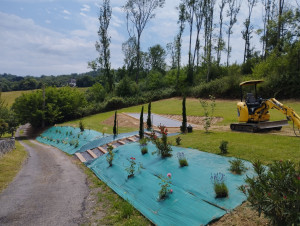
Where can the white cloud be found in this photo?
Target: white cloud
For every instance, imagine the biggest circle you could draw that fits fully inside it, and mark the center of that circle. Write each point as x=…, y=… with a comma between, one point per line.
x=86, y=8
x=48, y=21
x=66, y=12
x=27, y=48
x=82, y=14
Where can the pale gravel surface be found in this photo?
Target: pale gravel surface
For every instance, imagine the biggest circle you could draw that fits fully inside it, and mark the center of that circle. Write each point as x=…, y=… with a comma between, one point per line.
x=49, y=190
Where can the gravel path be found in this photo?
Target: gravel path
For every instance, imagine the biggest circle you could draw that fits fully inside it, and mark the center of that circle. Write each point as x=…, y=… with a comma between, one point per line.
x=49, y=190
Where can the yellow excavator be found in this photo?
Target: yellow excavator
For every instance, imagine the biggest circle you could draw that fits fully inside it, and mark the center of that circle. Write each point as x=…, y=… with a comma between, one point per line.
x=254, y=115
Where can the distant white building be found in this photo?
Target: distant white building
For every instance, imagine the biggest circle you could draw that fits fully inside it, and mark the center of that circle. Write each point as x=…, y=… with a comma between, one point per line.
x=72, y=83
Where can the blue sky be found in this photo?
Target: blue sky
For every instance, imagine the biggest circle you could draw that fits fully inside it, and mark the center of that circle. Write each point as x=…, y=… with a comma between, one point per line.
x=53, y=37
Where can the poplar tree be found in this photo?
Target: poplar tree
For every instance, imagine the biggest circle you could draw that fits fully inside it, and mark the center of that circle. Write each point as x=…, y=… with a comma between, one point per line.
x=221, y=42
x=139, y=13
x=183, y=128
x=149, y=122
x=248, y=30
x=104, y=41
x=115, y=124
x=232, y=12
x=141, y=131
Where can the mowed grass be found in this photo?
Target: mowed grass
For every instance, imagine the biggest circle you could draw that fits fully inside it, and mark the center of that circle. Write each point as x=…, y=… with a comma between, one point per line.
x=247, y=146
x=10, y=164
x=9, y=97
x=224, y=108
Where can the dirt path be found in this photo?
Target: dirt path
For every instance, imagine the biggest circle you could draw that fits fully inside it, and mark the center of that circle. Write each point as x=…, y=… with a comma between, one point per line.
x=49, y=190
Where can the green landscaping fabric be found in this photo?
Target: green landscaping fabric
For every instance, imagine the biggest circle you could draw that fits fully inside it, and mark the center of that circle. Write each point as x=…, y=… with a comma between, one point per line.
x=193, y=201
x=66, y=137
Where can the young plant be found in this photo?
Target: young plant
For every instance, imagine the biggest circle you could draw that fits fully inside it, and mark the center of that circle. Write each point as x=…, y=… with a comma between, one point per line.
x=275, y=191
x=149, y=123
x=110, y=155
x=218, y=180
x=81, y=126
x=182, y=159
x=104, y=129
x=237, y=166
x=223, y=147
x=131, y=168
x=165, y=186
x=178, y=140
x=144, y=150
x=163, y=147
x=141, y=131
x=208, y=113
x=143, y=144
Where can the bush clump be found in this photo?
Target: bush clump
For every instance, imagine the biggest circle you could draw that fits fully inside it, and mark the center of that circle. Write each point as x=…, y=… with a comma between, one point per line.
x=223, y=147
x=237, y=166
x=275, y=191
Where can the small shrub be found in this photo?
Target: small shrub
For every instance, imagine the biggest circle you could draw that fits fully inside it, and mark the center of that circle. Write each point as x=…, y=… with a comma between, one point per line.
x=76, y=144
x=110, y=155
x=165, y=186
x=178, y=140
x=131, y=168
x=144, y=150
x=275, y=191
x=71, y=133
x=163, y=147
x=182, y=159
x=223, y=147
x=81, y=126
x=237, y=166
x=218, y=180
x=208, y=113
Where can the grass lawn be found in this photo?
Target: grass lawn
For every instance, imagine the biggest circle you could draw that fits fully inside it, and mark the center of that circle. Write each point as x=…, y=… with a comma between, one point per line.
x=248, y=146
x=10, y=164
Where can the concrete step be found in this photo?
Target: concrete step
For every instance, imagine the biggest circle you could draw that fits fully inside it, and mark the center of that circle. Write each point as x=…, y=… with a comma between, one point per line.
x=102, y=150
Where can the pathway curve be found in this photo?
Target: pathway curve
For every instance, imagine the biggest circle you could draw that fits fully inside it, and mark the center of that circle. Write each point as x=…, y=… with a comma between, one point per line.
x=49, y=190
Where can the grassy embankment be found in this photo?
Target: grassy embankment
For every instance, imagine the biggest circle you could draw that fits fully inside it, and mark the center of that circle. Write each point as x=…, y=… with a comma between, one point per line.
x=10, y=164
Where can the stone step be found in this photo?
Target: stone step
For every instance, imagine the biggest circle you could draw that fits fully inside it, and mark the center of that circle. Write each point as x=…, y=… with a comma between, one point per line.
x=80, y=157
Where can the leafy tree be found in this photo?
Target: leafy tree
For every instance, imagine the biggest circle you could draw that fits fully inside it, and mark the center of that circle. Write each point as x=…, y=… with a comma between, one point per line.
x=157, y=56
x=96, y=93
x=104, y=41
x=139, y=12
x=199, y=18
x=12, y=122
x=141, y=131
x=183, y=128
x=3, y=127
x=149, y=123
x=85, y=81
x=126, y=87
x=60, y=105
x=129, y=49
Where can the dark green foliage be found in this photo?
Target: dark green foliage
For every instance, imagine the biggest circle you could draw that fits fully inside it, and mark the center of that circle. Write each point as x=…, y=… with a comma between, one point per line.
x=115, y=124
x=144, y=150
x=184, y=120
x=126, y=88
x=149, y=123
x=178, y=140
x=96, y=93
x=3, y=127
x=61, y=105
x=237, y=166
x=110, y=155
x=223, y=147
x=81, y=126
x=141, y=131
x=275, y=191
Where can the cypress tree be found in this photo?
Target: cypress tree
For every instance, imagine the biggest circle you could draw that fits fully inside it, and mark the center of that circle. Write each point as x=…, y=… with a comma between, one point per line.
x=184, y=120
x=141, y=132
x=149, y=123
x=115, y=124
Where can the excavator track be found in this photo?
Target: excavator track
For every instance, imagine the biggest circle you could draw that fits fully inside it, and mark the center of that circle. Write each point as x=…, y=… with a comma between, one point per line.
x=258, y=127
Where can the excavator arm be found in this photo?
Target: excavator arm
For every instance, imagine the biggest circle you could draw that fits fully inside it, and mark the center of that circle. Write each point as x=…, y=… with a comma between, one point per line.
x=291, y=115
